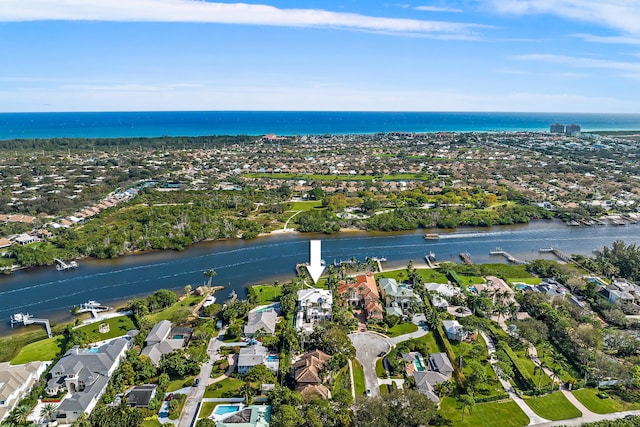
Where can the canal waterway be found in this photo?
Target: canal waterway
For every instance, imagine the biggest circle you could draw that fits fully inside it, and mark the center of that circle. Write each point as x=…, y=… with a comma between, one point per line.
x=46, y=292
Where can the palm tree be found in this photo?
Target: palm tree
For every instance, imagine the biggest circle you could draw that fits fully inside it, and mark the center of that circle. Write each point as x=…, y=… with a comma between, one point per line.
x=48, y=412
x=19, y=414
x=513, y=310
x=210, y=274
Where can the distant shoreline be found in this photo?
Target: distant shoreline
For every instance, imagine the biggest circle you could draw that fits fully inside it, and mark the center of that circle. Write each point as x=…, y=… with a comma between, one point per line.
x=157, y=124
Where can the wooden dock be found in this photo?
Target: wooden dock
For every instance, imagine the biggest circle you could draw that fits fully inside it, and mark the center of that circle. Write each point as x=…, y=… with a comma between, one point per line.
x=28, y=319
x=507, y=255
x=466, y=258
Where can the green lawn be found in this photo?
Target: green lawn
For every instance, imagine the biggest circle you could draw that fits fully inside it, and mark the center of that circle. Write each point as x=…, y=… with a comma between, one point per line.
x=358, y=377
x=10, y=346
x=587, y=396
x=401, y=329
x=42, y=350
x=206, y=409
x=223, y=388
x=265, y=294
x=181, y=399
x=118, y=326
x=491, y=414
x=181, y=383
x=427, y=274
x=527, y=280
x=304, y=206
x=167, y=314
x=380, y=371
x=530, y=367
x=505, y=270
x=151, y=422
x=553, y=407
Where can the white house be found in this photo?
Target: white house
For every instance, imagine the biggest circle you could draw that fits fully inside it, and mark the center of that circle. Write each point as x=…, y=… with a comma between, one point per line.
x=15, y=383
x=314, y=305
x=454, y=330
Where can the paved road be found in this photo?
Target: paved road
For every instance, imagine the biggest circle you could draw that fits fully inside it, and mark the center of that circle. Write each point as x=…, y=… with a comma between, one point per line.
x=534, y=419
x=368, y=345
x=197, y=393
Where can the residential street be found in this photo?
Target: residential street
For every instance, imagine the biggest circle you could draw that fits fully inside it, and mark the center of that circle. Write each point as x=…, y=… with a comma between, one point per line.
x=197, y=393
x=368, y=345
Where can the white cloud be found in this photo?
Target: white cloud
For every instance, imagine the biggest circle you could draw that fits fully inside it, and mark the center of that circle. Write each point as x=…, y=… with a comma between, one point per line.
x=609, y=39
x=629, y=68
x=622, y=15
x=438, y=9
x=222, y=13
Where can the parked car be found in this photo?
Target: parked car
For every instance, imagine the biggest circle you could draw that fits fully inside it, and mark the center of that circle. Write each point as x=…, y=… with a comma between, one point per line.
x=196, y=382
x=382, y=353
x=169, y=397
x=368, y=393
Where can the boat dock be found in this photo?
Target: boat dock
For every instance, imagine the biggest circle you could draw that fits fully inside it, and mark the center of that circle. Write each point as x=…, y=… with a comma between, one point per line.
x=507, y=255
x=379, y=261
x=92, y=307
x=28, y=319
x=466, y=258
x=562, y=256
x=64, y=266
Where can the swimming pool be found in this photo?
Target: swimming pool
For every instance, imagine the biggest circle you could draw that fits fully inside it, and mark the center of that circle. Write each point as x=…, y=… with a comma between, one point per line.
x=221, y=410
x=419, y=365
x=92, y=350
x=178, y=337
x=273, y=358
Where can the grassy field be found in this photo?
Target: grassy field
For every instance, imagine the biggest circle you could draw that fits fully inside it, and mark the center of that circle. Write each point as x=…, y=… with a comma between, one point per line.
x=427, y=274
x=118, y=326
x=304, y=206
x=181, y=383
x=207, y=408
x=530, y=367
x=527, y=280
x=491, y=414
x=151, y=422
x=380, y=371
x=587, y=396
x=401, y=329
x=11, y=346
x=265, y=294
x=505, y=270
x=220, y=389
x=167, y=314
x=42, y=350
x=358, y=377
x=553, y=407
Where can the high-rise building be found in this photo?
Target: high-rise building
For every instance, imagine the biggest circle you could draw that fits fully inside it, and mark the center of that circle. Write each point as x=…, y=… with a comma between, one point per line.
x=573, y=130
x=557, y=128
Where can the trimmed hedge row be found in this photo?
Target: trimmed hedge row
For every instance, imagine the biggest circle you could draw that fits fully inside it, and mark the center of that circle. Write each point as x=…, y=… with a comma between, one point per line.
x=443, y=341
x=519, y=369
x=495, y=397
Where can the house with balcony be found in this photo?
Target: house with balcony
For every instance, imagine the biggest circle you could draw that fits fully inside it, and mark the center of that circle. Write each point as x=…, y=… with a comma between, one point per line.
x=397, y=295
x=362, y=294
x=84, y=374
x=314, y=305
x=15, y=383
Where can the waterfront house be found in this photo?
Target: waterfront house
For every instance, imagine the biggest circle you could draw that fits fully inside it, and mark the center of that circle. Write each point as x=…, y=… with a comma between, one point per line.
x=398, y=295
x=84, y=374
x=314, y=305
x=363, y=293
x=163, y=339
x=308, y=373
x=264, y=321
x=454, y=330
x=15, y=383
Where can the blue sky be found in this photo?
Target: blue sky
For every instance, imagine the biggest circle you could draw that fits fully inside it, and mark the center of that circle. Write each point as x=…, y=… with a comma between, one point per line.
x=467, y=55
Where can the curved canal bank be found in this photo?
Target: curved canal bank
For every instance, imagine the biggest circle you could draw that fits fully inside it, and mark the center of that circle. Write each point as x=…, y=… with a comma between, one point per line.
x=46, y=292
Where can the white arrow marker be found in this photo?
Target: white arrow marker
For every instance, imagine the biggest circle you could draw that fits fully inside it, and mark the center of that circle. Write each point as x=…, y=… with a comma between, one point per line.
x=315, y=266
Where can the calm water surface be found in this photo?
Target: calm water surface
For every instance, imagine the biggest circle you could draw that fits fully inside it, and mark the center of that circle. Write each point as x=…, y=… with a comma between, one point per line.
x=45, y=292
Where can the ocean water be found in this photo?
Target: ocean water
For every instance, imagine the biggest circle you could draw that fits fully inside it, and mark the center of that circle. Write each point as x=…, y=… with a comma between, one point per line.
x=196, y=123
